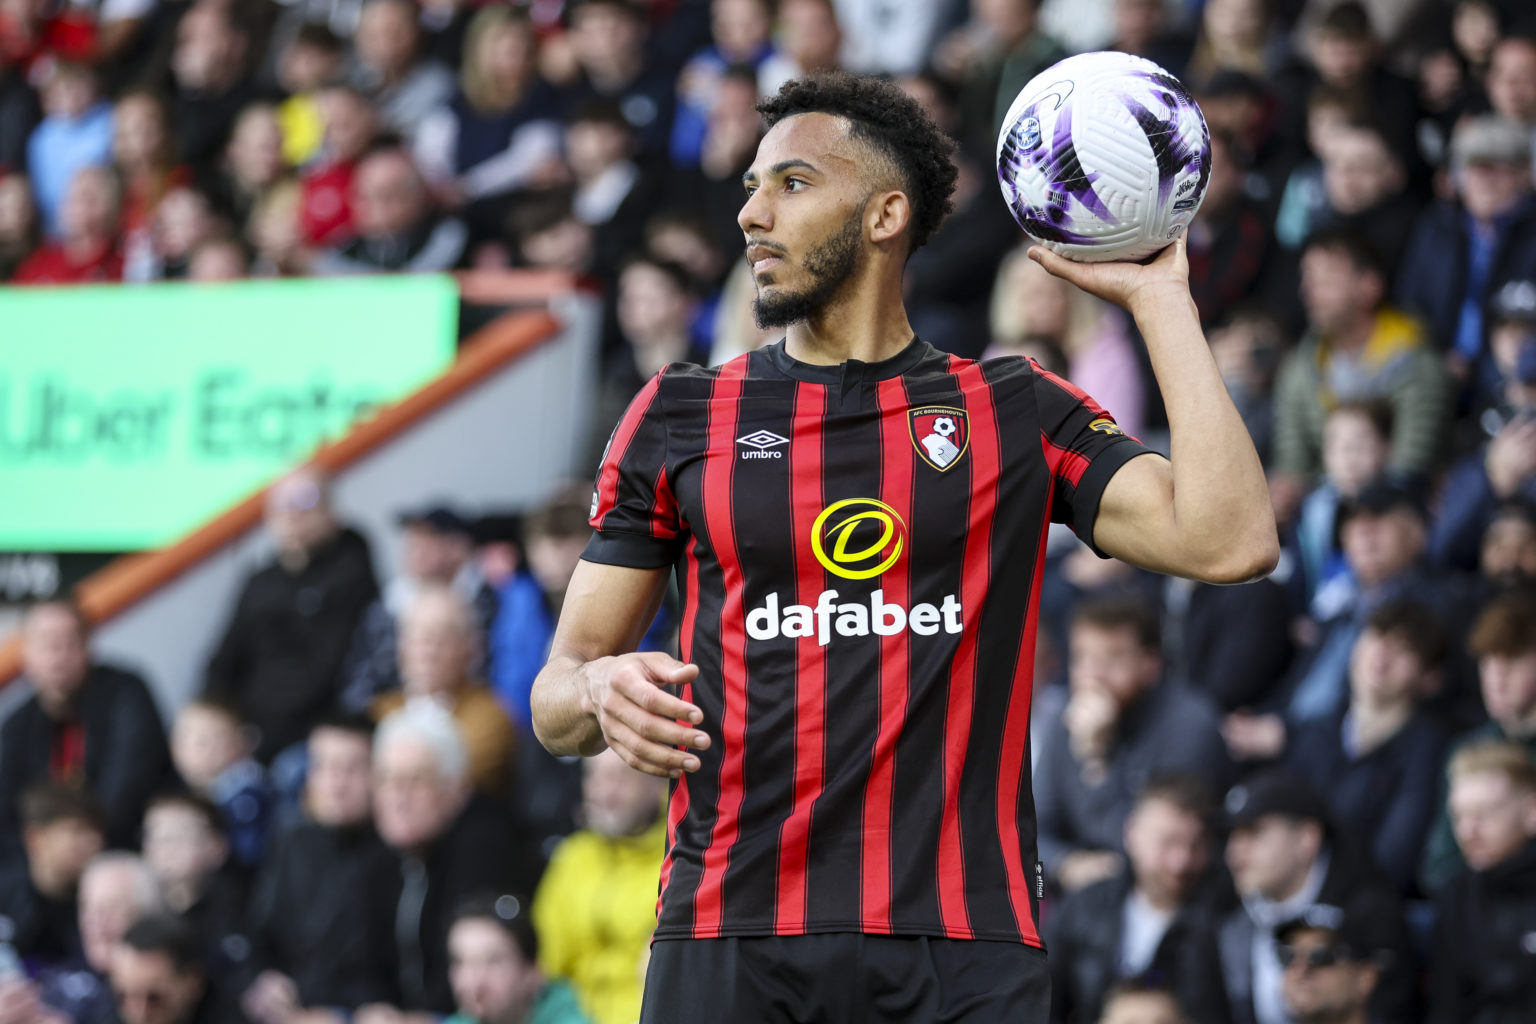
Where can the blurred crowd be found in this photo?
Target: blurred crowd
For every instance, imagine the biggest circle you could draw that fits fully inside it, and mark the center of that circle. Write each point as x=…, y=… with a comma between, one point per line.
x=1307, y=799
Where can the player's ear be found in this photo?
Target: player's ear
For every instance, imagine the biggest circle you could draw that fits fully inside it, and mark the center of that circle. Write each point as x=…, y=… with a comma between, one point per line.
x=887, y=215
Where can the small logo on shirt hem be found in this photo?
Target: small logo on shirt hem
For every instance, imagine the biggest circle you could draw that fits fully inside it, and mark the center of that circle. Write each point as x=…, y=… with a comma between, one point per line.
x=762, y=443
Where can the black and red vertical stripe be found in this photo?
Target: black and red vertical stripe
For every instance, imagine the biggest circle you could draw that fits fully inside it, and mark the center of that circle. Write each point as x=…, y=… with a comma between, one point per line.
x=859, y=779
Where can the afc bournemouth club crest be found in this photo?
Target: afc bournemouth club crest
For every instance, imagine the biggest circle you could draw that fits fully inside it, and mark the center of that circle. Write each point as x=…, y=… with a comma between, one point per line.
x=940, y=434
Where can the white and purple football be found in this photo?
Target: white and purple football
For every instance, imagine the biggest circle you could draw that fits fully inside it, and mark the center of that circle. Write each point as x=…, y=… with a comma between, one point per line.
x=1104, y=156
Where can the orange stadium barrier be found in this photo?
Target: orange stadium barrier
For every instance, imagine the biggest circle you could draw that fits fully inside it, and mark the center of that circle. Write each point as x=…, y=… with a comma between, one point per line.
x=128, y=580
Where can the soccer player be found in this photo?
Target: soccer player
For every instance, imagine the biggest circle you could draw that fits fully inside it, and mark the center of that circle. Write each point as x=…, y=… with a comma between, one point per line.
x=857, y=523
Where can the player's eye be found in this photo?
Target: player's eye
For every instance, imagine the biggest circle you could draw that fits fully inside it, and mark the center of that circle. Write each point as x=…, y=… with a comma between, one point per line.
x=790, y=184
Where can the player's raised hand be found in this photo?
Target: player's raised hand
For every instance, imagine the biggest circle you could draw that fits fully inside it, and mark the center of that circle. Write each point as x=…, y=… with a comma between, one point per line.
x=639, y=719
x=1124, y=284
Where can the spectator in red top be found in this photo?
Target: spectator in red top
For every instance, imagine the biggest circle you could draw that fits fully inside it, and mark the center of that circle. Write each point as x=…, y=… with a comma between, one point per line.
x=397, y=228
x=88, y=250
x=326, y=219
x=87, y=724
x=31, y=33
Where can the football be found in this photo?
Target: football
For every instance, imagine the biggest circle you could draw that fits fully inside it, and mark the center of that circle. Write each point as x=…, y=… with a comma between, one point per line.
x=1104, y=156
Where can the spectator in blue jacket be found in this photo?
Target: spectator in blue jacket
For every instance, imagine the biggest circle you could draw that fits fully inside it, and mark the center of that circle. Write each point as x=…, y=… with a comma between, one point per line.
x=76, y=132
x=1461, y=251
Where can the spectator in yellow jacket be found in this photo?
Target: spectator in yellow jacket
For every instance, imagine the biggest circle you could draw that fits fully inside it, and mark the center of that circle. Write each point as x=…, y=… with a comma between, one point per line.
x=596, y=907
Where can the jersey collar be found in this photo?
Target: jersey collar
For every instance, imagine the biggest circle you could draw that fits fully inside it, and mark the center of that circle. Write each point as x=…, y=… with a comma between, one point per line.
x=849, y=370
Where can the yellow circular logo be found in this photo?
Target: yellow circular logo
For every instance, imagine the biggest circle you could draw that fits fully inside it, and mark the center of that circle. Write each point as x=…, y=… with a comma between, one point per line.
x=877, y=552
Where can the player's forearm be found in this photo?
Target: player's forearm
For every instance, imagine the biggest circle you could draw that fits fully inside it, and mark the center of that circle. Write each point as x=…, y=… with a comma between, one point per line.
x=1220, y=497
x=561, y=721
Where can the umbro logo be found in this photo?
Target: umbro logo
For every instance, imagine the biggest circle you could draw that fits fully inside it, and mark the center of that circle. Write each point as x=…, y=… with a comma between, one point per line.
x=762, y=444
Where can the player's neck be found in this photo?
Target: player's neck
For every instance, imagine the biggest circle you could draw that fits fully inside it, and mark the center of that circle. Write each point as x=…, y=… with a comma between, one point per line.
x=865, y=321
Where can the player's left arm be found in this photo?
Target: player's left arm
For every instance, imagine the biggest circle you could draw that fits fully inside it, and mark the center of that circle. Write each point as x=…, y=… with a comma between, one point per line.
x=1205, y=513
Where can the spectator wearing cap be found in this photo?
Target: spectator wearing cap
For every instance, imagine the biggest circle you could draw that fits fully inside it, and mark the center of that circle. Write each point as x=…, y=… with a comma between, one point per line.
x=61, y=830
x=1463, y=250
x=493, y=963
x=86, y=724
x=1503, y=466
x=447, y=843
x=436, y=548
x=612, y=62
x=1485, y=929
x=1378, y=759
x=595, y=910
x=281, y=655
x=501, y=127
x=313, y=922
x=440, y=638
x=1332, y=960
x=1123, y=724
x=1356, y=348
x=388, y=63
x=1284, y=857
x=397, y=228
x=1146, y=922
x=1503, y=640
x=158, y=975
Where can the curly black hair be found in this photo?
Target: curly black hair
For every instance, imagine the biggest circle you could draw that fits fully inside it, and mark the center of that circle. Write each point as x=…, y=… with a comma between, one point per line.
x=889, y=120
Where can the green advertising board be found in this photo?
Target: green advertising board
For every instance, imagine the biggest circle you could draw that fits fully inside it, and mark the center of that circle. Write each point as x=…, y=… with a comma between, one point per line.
x=131, y=414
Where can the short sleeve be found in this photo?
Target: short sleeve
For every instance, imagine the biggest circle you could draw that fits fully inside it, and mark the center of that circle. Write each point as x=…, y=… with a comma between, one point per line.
x=633, y=509
x=1083, y=446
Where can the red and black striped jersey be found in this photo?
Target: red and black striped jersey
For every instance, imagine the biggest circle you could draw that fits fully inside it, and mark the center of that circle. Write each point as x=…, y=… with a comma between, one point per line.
x=858, y=549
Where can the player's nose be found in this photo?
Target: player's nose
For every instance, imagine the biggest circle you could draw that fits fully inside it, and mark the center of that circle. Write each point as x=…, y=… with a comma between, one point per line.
x=755, y=217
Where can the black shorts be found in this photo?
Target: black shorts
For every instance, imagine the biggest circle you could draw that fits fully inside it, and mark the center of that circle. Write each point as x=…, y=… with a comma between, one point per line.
x=845, y=979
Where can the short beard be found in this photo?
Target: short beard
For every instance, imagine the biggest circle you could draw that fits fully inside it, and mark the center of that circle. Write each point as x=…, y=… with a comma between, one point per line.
x=830, y=264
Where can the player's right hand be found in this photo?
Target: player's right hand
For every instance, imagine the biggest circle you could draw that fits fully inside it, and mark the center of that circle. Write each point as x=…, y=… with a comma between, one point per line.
x=639, y=719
